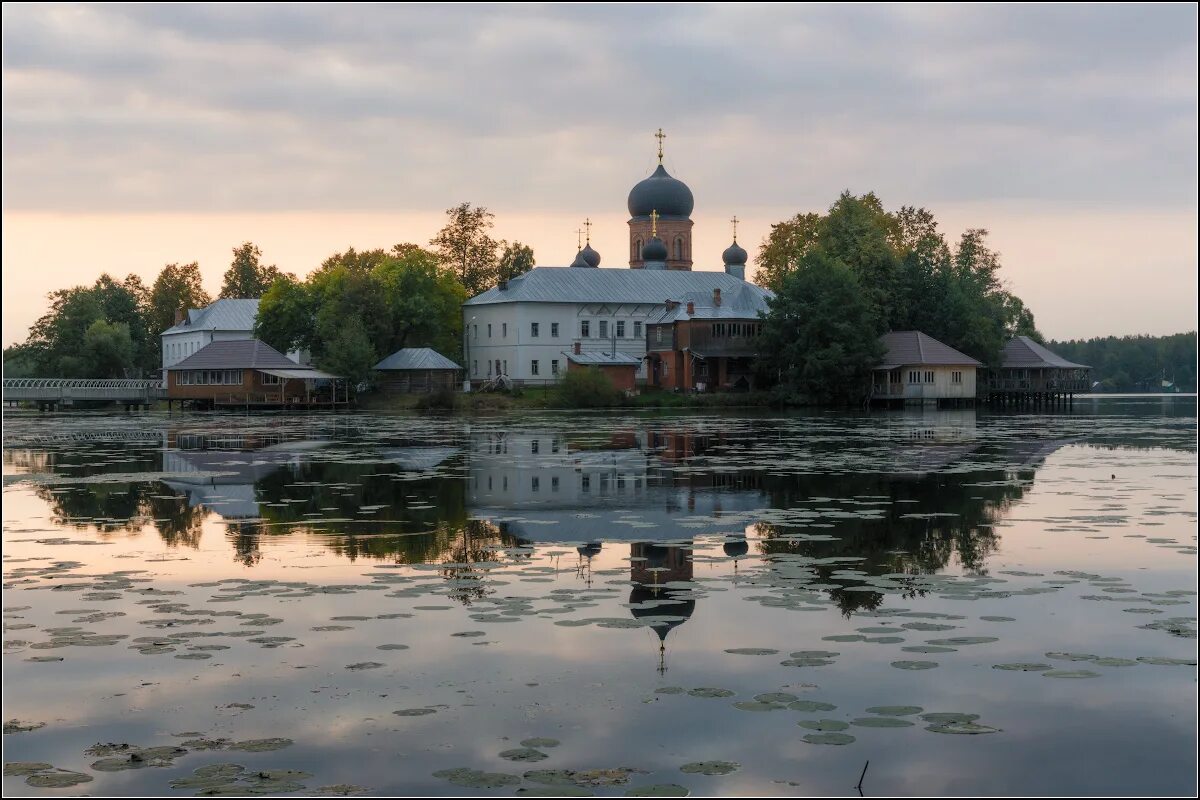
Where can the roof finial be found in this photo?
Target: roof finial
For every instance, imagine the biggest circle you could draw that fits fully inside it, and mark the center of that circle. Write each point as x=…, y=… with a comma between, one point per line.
x=654, y=222
x=735, y=222
x=587, y=223
x=660, y=136
x=579, y=238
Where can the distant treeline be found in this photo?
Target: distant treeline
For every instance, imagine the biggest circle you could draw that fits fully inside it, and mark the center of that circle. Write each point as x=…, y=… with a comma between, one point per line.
x=1136, y=363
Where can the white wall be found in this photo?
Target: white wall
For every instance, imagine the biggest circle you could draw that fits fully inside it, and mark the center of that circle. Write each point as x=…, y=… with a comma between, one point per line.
x=519, y=348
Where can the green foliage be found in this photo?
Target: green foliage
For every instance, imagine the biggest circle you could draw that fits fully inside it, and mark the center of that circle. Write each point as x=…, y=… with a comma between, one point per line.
x=819, y=341
x=247, y=277
x=177, y=288
x=515, y=259
x=465, y=247
x=1136, y=363
x=441, y=400
x=396, y=299
x=349, y=352
x=585, y=388
x=19, y=363
x=911, y=278
x=107, y=350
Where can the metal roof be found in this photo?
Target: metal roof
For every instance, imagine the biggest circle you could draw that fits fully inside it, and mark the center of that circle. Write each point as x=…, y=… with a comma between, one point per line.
x=1021, y=351
x=602, y=359
x=308, y=373
x=912, y=348
x=219, y=315
x=237, y=354
x=416, y=358
x=566, y=285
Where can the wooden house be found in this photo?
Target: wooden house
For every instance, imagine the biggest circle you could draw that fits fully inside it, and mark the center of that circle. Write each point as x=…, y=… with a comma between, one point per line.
x=417, y=369
x=919, y=370
x=620, y=368
x=1031, y=373
x=249, y=373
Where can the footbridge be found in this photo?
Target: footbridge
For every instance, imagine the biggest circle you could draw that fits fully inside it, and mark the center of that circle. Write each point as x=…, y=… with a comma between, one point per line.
x=55, y=392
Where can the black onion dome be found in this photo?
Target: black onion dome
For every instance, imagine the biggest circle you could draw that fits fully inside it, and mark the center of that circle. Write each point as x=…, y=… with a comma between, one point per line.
x=660, y=192
x=735, y=254
x=654, y=250
x=640, y=594
x=589, y=550
x=590, y=256
x=736, y=548
x=580, y=260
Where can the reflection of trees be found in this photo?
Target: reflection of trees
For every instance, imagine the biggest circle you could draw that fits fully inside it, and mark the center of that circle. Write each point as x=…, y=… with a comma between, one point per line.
x=478, y=540
x=894, y=543
x=115, y=507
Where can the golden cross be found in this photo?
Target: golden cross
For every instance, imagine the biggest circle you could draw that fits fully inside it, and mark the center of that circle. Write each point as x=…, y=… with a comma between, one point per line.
x=587, y=223
x=735, y=222
x=579, y=238
x=660, y=136
x=654, y=222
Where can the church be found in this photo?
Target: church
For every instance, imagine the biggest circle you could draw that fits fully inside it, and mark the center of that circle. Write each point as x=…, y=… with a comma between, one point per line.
x=673, y=327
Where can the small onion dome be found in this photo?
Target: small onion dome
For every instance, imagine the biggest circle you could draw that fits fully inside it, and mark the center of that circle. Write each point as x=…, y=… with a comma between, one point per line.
x=590, y=256
x=735, y=255
x=661, y=192
x=654, y=250
x=580, y=260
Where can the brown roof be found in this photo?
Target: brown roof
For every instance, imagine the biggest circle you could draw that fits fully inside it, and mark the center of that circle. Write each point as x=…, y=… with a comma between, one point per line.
x=1021, y=351
x=913, y=348
x=237, y=354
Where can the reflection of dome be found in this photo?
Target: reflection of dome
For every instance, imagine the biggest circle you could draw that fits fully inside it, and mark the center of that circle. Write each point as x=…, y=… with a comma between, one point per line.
x=736, y=548
x=588, y=550
x=640, y=594
x=660, y=192
x=734, y=255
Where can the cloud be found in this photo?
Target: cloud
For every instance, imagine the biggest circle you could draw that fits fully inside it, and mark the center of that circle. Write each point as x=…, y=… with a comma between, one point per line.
x=228, y=107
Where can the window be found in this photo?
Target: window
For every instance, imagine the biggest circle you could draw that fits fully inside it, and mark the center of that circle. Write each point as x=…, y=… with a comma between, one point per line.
x=658, y=334
x=554, y=483
x=489, y=369
x=475, y=367
x=534, y=445
x=914, y=377
x=489, y=330
x=637, y=330
x=476, y=327
x=603, y=329
x=554, y=367
x=270, y=380
x=498, y=367
x=585, y=329
x=554, y=330
x=956, y=377
x=586, y=484
x=678, y=248
x=620, y=329
x=533, y=367
x=929, y=377
x=506, y=366
x=534, y=483
x=504, y=330
x=533, y=329
x=636, y=255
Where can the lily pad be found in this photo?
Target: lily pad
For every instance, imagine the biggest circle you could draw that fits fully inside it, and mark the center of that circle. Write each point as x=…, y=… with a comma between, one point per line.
x=754, y=705
x=25, y=767
x=361, y=665
x=914, y=664
x=708, y=691
x=539, y=741
x=895, y=711
x=881, y=722
x=59, y=779
x=828, y=738
x=523, y=754
x=1070, y=673
x=823, y=724
x=775, y=697
x=811, y=705
x=414, y=712
x=1023, y=666
x=961, y=728
x=751, y=651
x=261, y=745
x=710, y=767
x=476, y=779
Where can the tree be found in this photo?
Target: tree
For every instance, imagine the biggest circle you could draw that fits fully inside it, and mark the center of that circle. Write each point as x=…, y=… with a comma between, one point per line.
x=350, y=352
x=465, y=247
x=108, y=350
x=177, y=288
x=819, y=340
x=424, y=303
x=285, y=316
x=787, y=243
x=247, y=277
x=515, y=259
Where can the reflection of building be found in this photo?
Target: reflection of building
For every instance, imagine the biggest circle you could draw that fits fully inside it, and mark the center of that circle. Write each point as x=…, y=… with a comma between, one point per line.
x=541, y=488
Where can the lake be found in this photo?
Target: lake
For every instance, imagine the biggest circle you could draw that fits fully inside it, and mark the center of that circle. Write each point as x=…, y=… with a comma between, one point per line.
x=611, y=604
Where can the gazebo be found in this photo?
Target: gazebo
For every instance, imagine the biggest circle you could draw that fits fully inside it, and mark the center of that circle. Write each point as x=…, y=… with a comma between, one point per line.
x=417, y=369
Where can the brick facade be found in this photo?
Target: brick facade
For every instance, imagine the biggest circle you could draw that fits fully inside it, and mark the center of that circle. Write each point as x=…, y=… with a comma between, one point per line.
x=670, y=231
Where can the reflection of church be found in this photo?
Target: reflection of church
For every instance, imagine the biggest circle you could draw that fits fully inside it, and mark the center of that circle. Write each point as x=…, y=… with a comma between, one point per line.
x=652, y=566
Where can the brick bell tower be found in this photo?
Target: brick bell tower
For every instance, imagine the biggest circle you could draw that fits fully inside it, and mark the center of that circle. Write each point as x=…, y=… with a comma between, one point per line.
x=672, y=200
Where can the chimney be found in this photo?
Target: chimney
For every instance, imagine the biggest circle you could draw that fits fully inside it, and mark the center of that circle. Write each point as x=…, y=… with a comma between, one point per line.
x=578, y=348
x=691, y=308
x=179, y=314
x=717, y=297
x=503, y=285
x=671, y=304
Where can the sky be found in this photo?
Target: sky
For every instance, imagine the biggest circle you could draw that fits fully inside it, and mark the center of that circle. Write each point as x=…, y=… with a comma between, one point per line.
x=140, y=135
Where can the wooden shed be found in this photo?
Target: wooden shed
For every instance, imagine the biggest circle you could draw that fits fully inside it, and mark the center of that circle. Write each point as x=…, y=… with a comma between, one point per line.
x=918, y=369
x=417, y=369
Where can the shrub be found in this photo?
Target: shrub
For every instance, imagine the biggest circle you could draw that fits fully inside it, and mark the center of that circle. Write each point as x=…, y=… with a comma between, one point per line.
x=441, y=400
x=585, y=388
